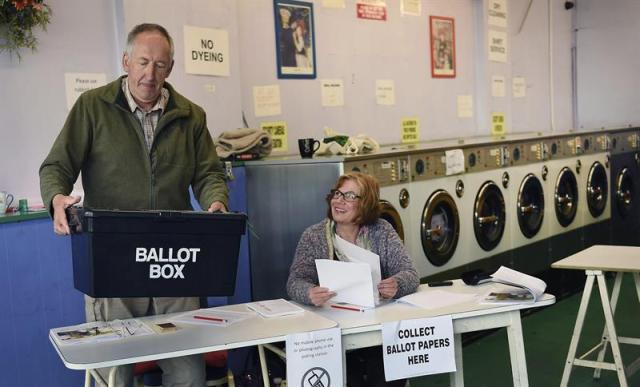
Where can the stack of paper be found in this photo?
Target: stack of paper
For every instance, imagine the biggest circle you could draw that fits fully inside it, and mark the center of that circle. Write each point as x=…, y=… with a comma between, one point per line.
x=275, y=308
x=355, y=281
x=211, y=316
x=521, y=287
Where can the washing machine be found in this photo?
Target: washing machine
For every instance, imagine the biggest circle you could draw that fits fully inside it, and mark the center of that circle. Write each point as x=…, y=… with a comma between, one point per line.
x=526, y=218
x=488, y=202
x=564, y=198
x=625, y=187
x=594, y=207
x=436, y=216
x=392, y=172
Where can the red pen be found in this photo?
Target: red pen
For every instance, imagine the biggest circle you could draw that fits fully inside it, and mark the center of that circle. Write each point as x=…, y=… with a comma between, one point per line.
x=353, y=308
x=217, y=319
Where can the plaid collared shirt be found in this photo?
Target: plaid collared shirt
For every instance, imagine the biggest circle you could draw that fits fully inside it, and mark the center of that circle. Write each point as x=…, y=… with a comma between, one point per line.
x=148, y=120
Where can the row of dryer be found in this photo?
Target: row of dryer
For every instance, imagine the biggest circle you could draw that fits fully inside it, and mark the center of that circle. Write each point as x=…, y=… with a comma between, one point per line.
x=522, y=203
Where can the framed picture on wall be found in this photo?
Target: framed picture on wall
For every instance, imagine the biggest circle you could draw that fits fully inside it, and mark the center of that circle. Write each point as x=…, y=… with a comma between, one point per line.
x=443, y=47
x=295, y=39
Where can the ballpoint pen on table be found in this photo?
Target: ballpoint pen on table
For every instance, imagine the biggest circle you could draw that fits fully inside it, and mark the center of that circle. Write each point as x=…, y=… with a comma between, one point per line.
x=348, y=307
x=216, y=319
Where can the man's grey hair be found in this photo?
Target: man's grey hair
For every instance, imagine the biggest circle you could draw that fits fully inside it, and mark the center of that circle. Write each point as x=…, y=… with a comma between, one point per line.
x=148, y=27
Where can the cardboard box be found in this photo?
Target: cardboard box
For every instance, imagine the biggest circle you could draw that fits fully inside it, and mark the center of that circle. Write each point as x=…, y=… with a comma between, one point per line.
x=155, y=253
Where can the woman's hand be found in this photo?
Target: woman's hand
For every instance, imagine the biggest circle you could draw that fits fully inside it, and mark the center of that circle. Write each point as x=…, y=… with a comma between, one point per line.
x=388, y=287
x=320, y=295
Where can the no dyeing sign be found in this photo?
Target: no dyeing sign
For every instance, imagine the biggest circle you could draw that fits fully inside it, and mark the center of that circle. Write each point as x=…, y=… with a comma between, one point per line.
x=418, y=347
x=206, y=51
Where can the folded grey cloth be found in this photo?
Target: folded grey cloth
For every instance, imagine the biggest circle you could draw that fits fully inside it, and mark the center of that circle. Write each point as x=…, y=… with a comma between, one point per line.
x=243, y=140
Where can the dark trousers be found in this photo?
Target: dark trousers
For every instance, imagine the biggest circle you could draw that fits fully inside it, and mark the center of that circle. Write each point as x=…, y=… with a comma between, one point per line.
x=365, y=368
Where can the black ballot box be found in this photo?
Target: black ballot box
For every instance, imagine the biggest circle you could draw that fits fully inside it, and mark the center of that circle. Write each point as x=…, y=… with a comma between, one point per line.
x=154, y=253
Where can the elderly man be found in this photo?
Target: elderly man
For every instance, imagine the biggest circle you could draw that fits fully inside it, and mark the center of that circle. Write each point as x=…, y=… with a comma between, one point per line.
x=139, y=145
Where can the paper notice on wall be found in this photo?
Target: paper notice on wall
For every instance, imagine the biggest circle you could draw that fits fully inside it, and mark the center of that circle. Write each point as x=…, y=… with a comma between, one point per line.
x=497, y=124
x=519, y=85
x=410, y=130
x=385, y=92
x=465, y=106
x=418, y=347
x=315, y=358
x=411, y=7
x=454, y=161
x=206, y=51
x=78, y=83
x=372, y=9
x=266, y=100
x=497, y=13
x=332, y=92
x=497, y=41
x=333, y=3
x=278, y=132
x=497, y=86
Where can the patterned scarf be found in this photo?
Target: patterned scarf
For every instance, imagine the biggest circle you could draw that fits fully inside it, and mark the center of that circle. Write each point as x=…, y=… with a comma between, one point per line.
x=362, y=240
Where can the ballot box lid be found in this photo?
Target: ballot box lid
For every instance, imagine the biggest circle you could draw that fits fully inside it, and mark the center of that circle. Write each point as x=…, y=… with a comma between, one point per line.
x=155, y=221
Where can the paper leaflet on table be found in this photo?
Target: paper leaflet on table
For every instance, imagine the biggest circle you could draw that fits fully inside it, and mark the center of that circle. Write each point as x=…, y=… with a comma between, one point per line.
x=211, y=316
x=434, y=299
x=521, y=287
x=275, y=308
x=97, y=331
x=355, y=253
x=353, y=281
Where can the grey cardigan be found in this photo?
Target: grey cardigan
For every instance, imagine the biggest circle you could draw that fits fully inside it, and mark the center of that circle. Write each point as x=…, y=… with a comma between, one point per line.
x=394, y=260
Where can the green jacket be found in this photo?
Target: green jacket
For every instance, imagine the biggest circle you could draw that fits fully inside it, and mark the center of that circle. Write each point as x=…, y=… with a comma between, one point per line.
x=103, y=139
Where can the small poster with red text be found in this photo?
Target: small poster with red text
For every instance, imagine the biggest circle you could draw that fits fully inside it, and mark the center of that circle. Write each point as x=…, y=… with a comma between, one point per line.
x=372, y=9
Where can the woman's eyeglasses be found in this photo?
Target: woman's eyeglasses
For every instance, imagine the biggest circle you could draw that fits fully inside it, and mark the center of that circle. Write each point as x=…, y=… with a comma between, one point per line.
x=348, y=196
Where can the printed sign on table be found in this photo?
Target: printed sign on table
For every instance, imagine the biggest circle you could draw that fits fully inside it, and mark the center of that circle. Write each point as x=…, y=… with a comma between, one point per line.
x=410, y=130
x=278, y=132
x=418, y=347
x=315, y=358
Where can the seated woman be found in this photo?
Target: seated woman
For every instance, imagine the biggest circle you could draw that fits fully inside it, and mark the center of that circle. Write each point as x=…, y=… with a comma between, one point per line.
x=354, y=215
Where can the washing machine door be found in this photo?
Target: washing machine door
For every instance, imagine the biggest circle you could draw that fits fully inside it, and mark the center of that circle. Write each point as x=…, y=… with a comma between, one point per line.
x=530, y=205
x=624, y=192
x=489, y=215
x=597, y=189
x=566, y=197
x=440, y=227
x=389, y=213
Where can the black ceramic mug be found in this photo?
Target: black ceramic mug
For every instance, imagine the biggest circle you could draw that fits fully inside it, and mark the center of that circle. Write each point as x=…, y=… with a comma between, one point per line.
x=308, y=146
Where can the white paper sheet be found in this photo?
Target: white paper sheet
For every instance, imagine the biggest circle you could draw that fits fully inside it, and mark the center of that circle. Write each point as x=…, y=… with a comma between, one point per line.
x=355, y=253
x=211, y=316
x=454, y=161
x=436, y=299
x=274, y=308
x=350, y=280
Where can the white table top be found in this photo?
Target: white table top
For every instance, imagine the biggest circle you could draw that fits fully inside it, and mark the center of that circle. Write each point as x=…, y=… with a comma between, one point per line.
x=603, y=257
x=369, y=320
x=190, y=339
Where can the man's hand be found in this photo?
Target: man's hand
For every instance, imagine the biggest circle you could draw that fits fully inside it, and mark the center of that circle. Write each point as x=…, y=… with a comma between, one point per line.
x=61, y=202
x=217, y=207
x=319, y=295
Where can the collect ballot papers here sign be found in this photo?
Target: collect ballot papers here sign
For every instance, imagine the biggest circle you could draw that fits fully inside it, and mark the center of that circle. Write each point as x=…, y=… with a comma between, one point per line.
x=418, y=347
